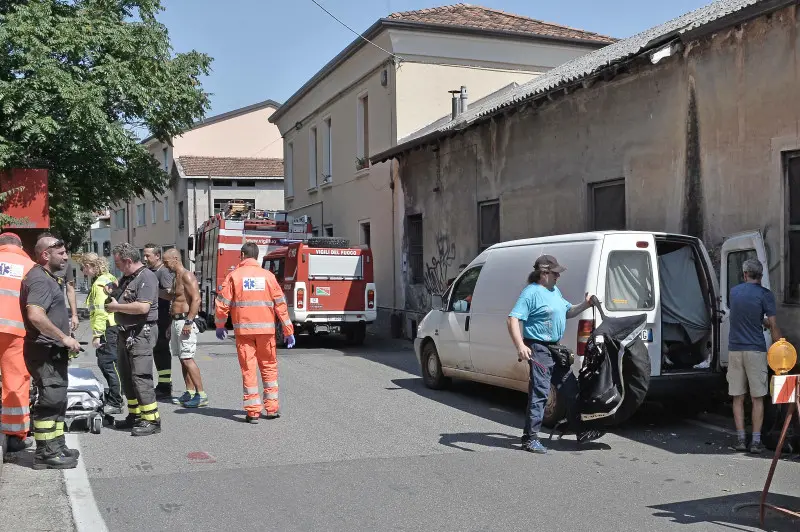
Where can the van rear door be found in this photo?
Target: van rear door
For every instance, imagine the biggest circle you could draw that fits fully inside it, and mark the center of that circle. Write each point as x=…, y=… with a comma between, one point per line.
x=735, y=250
x=628, y=284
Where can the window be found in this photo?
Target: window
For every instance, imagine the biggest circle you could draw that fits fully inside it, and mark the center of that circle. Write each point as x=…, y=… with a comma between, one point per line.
x=166, y=161
x=362, y=133
x=140, y=215
x=365, y=234
x=461, y=300
x=415, y=249
x=328, y=230
x=315, y=231
x=222, y=182
x=629, y=281
x=221, y=203
x=181, y=221
x=107, y=248
x=166, y=208
x=792, y=169
x=607, y=205
x=489, y=220
x=312, y=158
x=120, y=219
x=327, y=152
x=96, y=247
x=153, y=211
x=288, y=169
x=734, y=266
x=246, y=183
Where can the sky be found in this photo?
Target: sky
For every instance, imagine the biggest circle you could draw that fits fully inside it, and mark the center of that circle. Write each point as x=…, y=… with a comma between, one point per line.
x=267, y=49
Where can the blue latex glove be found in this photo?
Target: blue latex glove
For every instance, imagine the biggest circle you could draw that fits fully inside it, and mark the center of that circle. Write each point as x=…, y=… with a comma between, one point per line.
x=221, y=333
x=290, y=341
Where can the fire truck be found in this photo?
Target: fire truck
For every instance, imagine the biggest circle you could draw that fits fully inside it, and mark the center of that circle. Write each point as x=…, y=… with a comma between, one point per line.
x=219, y=242
x=329, y=286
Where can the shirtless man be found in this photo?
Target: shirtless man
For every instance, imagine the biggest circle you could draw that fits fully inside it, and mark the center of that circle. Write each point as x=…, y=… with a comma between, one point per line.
x=183, y=331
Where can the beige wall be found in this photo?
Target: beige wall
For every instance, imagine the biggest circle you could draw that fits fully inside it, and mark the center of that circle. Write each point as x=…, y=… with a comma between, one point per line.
x=246, y=135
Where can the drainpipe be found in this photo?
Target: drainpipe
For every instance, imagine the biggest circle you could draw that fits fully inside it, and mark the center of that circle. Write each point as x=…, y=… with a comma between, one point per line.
x=194, y=211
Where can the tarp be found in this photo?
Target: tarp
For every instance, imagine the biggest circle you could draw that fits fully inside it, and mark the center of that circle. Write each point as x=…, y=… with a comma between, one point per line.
x=684, y=313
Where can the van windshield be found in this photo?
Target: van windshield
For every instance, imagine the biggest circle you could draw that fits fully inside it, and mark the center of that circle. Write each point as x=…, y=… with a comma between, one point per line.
x=629, y=281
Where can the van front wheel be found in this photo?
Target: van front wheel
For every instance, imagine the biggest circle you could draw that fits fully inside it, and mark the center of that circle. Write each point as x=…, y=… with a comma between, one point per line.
x=432, y=368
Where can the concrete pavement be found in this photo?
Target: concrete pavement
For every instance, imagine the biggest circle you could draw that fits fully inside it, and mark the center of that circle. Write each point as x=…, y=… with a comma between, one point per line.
x=363, y=445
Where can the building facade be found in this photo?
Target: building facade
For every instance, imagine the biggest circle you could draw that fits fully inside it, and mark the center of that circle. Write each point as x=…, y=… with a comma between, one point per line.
x=690, y=127
x=372, y=96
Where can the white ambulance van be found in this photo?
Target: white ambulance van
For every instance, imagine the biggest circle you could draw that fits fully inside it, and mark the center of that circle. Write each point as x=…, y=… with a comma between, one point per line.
x=669, y=277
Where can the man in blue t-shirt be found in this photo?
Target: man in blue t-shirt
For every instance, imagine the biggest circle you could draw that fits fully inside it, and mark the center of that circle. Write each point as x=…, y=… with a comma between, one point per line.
x=747, y=350
x=543, y=312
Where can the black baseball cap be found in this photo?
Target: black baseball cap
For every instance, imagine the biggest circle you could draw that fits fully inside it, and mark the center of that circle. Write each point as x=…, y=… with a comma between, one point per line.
x=548, y=263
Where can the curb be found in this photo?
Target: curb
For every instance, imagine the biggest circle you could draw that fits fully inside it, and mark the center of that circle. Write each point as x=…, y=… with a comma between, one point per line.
x=2, y=453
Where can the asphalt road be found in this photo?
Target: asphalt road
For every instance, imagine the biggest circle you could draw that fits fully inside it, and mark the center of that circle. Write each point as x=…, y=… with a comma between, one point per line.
x=363, y=445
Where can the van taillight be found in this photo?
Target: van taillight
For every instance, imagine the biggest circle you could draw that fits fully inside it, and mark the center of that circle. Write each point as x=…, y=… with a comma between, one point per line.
x=370, y=298
x=585, y=328
x=298, y=303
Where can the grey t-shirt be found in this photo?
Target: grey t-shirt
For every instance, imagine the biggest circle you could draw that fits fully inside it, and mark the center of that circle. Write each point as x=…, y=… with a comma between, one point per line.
x=43, y=289
x=142, y=289
x=165, y=278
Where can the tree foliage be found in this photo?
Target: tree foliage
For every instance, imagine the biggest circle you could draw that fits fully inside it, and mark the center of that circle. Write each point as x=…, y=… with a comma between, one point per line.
x=4, y=218
x=77, y=77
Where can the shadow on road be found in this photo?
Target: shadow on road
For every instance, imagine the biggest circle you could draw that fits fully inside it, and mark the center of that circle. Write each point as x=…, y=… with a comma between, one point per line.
x=735, y=511
x=222, y=413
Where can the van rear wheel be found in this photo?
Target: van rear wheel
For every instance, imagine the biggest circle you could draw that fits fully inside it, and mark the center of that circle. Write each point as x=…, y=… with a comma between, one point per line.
x=432, y=368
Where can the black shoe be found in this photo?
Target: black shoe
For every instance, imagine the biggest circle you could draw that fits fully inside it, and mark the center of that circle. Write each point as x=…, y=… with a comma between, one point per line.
x=70, y=453
x=60, y=461
x=251, y=419
x=589, y=435
x=16, y=444
x=128, y=423
x=163, y=391
x=274, y=415
x=146, y=428
x=525, y=439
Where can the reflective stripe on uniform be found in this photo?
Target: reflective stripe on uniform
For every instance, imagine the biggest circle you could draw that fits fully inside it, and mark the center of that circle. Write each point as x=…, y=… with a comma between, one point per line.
x=13, y=427
x=252, y=304
x=164, y=376
x=45, y=436
x=38, y=424
x=133, y=402
x=148, y=408
x=16, y=410
x=270, y=395
x=223, y=300
x=287, y=322
x=12, y=323
x=59, y=429
x=280, y=300
x=249, y=391
x=44, y=430
x=252, y=402
x=253, y=325
x=151, y=416
x=270, y=384
x=7, y=292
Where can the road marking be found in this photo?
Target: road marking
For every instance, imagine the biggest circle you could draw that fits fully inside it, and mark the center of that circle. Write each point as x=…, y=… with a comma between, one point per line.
x=709, y=426
x=84, y=508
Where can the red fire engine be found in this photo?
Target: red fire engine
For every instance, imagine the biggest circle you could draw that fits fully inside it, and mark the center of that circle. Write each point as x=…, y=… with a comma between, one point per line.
x=219, y=242
x=329, y=286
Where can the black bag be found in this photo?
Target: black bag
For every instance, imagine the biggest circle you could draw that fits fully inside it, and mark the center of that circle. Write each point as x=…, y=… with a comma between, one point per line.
x=202, y=324
x=561, y=355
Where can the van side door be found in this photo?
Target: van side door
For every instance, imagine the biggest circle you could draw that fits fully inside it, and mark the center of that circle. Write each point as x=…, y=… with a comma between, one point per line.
x=453, y=333
x=735, y=250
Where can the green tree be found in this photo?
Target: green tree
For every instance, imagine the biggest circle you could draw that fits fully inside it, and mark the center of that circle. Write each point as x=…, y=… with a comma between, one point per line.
x=77, y=78
x=5, y=219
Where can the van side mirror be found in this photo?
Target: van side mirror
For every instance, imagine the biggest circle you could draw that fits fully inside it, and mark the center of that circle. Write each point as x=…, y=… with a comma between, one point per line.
x=437, y=303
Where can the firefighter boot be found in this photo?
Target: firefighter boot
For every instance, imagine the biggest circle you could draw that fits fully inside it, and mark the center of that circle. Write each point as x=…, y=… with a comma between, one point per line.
x=66, y=451
x=15, y=444
x=146, y=428
x=128, y=423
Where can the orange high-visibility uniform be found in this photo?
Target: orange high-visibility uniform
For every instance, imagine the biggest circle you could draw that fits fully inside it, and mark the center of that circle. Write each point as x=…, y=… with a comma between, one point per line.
x=254, y=298
x=15, y=418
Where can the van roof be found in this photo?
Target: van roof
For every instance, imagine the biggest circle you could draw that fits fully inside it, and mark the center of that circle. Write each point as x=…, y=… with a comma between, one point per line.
x=574, y=237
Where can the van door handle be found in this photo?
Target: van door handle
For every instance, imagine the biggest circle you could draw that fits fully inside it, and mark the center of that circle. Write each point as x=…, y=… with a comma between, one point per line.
x=466, y=324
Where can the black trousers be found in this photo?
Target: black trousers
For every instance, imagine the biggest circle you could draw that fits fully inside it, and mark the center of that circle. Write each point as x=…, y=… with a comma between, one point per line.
x=135, y=355
x=161, y=355
x=48, y=368
x=107, y=362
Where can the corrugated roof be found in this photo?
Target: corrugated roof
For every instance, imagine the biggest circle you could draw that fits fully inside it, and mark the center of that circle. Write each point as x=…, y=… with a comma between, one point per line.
x=231, y=166
x=585, y=66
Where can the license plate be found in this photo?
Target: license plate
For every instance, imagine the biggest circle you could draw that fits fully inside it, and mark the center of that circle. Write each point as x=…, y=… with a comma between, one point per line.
x=335, y=318
x=647, y=335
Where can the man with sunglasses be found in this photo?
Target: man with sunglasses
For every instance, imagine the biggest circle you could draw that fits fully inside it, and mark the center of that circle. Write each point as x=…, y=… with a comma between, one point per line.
x=542, y=313
x=46, y=352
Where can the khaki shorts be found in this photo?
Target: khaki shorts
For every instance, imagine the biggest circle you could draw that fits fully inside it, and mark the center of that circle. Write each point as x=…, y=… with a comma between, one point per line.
x=183, y=347
x=747, y=369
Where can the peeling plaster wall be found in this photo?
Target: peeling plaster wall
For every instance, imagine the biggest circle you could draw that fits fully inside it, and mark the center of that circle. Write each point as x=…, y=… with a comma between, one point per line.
x=698, y=139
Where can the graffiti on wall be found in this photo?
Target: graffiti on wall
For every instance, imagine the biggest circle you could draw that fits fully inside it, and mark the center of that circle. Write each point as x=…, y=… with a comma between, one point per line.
x=437, y=269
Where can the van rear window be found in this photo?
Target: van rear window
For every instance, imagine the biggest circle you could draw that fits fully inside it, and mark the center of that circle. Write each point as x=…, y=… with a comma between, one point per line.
x=629, y=281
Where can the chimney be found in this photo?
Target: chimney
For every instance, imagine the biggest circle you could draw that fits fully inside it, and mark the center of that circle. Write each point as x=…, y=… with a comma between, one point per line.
x=456, y=106
x=464, y=103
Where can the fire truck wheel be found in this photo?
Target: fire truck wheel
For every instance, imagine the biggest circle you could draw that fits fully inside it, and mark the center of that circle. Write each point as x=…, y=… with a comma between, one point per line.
x=432, y=368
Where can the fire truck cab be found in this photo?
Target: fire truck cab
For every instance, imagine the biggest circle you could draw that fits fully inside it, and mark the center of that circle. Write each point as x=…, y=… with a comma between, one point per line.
x=329, y=286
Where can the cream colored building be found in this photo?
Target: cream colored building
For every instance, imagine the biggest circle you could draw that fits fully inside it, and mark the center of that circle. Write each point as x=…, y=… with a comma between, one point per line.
x=235, y=155
x=371, y=96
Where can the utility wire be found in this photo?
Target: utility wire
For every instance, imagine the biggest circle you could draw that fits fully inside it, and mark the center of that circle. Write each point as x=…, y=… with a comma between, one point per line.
x=354, y=31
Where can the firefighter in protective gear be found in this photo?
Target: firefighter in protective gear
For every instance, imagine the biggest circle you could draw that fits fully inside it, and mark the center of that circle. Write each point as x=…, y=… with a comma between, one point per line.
x=15, y=418
x=254, y=299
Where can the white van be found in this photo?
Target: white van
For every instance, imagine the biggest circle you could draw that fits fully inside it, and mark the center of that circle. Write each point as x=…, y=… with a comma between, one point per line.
x=669, y=277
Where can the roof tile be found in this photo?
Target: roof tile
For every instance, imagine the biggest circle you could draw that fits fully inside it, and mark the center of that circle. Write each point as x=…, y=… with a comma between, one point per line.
x=231, y=166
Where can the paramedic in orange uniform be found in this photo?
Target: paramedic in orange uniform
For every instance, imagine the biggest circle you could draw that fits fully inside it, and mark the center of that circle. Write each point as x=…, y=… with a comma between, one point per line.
x=254, y=298
x=15, y=419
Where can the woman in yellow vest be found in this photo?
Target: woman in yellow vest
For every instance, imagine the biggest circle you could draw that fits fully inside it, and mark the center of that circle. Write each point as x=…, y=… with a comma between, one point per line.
x=104, y=328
